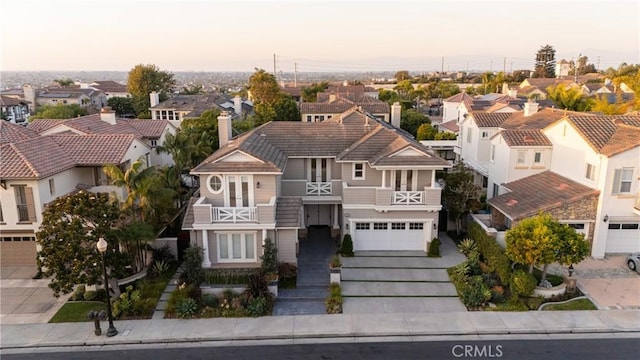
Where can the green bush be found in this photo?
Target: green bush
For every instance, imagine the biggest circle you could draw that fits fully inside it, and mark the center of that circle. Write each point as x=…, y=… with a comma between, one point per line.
x=258, y=287
x=492, y=252
x=90, y=295
x=78, y=295
x=127, y=304
x=228, y=276
x=269, y=259
x=335, y=290
x=346, y=249
x=178, y=295
x=333, y=302
x=533, y=303
x=193, y=273
x=466, y=246
x=159, y=268
x=434, y=248
x=475, y=293
x=522, y=283
x=258, y=306
x=186, y=308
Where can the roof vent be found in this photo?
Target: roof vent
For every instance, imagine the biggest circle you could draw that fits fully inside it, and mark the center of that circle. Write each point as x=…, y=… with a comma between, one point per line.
x=527, y=138
x=512, y=202
x=562, y=186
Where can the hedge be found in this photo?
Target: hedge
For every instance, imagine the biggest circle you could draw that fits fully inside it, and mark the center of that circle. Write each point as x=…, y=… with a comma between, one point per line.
x=492, y=252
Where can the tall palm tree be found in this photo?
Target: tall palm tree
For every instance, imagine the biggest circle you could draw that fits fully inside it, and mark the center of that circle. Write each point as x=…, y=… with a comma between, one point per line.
x=131, y=180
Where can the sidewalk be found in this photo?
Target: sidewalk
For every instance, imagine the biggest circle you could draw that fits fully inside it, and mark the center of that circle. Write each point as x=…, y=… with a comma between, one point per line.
x=322, y=326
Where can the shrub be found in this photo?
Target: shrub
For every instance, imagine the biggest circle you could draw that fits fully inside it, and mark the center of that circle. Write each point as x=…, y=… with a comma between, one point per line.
x=335, y=262
x=522, y=283
x=270, y=257
x=159, y=268
x=346, y=249
x=333, y=302
x=179, y=294
x=227, y=276
x=78, y=295
x=210, y=300
x=287, y=270
x=258, y=287
x=186, y=308
x=335, y=290
x=497, y=294
x=127, y=304
x=466, y=246
x=258, y=307
x=193, y=273
x=533, y=303
x=492, y=252
x=162, y=254
x=90, y=295
x=475, y=293
x=434, y=248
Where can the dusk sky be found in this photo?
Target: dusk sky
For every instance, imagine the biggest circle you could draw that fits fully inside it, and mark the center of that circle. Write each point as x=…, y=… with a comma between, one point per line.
x=188, y=35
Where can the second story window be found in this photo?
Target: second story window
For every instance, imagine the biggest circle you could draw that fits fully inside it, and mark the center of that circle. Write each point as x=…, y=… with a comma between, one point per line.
x=154, y=143
x=493, y=152
x=215, y=184
x=358, y=171
x=591, y=172
x=537, y=157
x=485, y=134
x=52, y=186
x=622, y=179
x=522, y=156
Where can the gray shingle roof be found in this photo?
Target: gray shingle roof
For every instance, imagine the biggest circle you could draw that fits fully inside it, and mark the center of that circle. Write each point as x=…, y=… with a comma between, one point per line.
x=288, y=211
x=92, y=124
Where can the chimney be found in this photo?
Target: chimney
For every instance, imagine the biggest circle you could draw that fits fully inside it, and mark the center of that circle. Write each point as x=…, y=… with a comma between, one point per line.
x=155, y=98
x=505, y=89
x=224, y=128
x=237, y=105
x=30, y=96
x=530, y=108
x=396, y=109
x=332, y=97
x=107, y=115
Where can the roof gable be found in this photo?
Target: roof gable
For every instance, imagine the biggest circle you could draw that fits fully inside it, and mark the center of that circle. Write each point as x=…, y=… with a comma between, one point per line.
x=238, y=156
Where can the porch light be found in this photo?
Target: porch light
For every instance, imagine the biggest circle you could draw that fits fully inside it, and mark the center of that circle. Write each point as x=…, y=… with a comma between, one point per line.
x=606, y=218
x=258, y=185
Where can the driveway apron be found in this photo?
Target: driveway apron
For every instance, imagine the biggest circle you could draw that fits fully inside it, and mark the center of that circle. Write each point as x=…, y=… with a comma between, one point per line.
x=313, y=276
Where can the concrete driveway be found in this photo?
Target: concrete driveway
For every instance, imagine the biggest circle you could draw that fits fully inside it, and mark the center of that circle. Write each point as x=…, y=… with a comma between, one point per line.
x=608, y=282
x=24, y=300
x=400, y=282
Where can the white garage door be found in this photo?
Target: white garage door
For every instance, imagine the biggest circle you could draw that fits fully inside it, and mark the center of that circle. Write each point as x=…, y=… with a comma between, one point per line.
x=623, y=238
x=388, y=236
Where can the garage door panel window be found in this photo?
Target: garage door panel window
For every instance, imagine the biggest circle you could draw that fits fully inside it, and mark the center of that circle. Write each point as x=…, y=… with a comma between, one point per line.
x=398, y=226
x=362, y=226
x=236, y=247
x=631, y=226
x=380, y=226
x=416, y=226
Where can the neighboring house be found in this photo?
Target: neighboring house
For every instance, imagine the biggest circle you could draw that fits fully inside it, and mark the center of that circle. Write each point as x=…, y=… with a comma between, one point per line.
x=151, y=133
x=582, y=168
x=14, y=110
x=181, y=107
x=111, y=88
x=334, y=103
x=36, y=169
x=450, y=106
x=562, y=68
x=71, y=95
x=536, y=88
x=353, y=173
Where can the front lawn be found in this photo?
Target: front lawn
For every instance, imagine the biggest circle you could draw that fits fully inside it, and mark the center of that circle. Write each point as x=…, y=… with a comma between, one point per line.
x=76, y=311
x=580, y=304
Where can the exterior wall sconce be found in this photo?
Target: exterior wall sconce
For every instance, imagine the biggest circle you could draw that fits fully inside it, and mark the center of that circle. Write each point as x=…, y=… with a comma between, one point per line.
x=435, y=226
x=258, y=185
x=606, y=218
x=570, y=270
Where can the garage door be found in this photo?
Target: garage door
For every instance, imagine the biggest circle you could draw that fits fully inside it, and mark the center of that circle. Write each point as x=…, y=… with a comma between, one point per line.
x=18, y=251
x=623, y=238
x=388, y=236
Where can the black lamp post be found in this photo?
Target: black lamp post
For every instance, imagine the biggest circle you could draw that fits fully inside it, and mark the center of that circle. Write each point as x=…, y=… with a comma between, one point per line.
x=102, y=247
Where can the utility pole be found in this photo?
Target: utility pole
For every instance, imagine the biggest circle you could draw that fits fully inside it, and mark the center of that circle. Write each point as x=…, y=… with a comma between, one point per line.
x=598, y=68
x=274, y=66
x=295, y=74
x=511, y=68
x=504, y=66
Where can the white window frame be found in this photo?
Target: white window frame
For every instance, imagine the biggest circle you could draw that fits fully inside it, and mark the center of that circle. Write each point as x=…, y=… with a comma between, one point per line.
x=243, y=248
x=154, y=143
x=590, y=172
x=619, y=178
x=538, y=155
x=52, y=186
x=355, y=171
x=363, y=226
x=485, y=134
x=380, y=226
x=523, y=160
x=221, y=184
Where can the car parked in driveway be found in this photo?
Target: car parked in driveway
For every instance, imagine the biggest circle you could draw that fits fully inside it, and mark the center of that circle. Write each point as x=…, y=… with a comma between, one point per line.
x=633, y=262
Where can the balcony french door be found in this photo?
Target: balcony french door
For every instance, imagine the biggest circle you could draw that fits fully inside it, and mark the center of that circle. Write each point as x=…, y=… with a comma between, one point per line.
x=405, y=180
x=318, y=170
x=239, y=192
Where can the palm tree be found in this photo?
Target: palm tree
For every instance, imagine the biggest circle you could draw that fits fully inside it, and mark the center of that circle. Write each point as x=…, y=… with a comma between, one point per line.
x=131, y=180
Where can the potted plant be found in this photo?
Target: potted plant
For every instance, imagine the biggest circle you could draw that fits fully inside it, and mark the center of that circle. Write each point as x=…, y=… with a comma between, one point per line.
x=335, y=268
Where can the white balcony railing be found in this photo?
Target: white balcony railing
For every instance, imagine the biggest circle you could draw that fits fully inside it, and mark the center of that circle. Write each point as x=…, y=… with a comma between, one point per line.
x=234, y=215
x=319, y=188
x=408, y=197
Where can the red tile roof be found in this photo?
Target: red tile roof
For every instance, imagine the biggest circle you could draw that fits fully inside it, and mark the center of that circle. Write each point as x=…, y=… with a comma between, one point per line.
x=95, y=150
x=484, y=119
x=10, y=133
x=525, y=138
x=608, y=134
x=33, y=158
x=93, y=124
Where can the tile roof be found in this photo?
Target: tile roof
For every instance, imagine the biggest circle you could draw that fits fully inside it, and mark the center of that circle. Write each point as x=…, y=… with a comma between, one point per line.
x=93, y=124
x=109, y=86
x=539, y=120
x=451, y=125
x=11, y=133
x=343, y=103
x=608, y=134
x=459, y=97
x=33, y=158
x=540, y=192
x=288, y=212
x=352, y=136
x=484, y=119
x=95, y=149
x=11, y=101
x=195, y=105
x=525, y=138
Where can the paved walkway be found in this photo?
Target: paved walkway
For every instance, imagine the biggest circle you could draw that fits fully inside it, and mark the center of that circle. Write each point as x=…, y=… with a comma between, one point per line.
x=312, y=278
x=324, y=327
x=161, y=306
x=400, y=281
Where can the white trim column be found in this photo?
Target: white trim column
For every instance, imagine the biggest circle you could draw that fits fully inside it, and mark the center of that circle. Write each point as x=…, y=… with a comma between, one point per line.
x=384, y=179
x=433, y=179
x=206, y=262
x=336, y=223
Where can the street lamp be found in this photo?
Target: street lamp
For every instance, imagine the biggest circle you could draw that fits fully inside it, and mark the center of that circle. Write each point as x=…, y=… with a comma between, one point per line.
x=102, y=247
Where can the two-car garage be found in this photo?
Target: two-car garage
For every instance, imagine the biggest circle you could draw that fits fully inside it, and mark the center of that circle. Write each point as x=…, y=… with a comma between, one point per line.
x=390, y=235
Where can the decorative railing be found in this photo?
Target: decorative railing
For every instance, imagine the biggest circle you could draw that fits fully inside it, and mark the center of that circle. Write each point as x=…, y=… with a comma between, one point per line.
x=319, y=188
x=234, y=215
x=23, y=212
x=408, y=197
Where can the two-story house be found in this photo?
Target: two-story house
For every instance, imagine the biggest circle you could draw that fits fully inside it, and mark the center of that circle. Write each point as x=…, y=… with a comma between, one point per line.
x=589, y=178
x=111, y=88
x=353, y=173
x=36, y=169
x=331, y=104
x=181, y=107
x=14, y=110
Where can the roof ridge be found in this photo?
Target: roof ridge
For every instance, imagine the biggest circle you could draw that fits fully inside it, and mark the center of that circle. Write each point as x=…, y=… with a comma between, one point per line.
x=26, y=160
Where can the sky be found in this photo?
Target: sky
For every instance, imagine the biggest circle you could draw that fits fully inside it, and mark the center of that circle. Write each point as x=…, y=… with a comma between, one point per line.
x=309, y=36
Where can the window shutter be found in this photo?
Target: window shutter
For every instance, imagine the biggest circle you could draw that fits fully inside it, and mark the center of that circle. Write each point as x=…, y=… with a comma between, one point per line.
x=31, y=209
x=616, y=181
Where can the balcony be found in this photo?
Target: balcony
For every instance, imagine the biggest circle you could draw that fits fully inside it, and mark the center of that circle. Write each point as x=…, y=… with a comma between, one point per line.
x=384, y=197
x=233, y=214
x=318, y=188
x=408, y=197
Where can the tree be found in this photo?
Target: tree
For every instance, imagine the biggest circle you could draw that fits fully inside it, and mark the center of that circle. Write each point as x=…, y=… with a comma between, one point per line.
x=426, y=132
x=601, y=104
x=71, y=226
x=389, y=96
x=404, y=88
x=144, y=79
x=264, y=87
x=570, y=98
x=402, y=75
x=310, y=93
x=444, y=135
x=64, y=82
x=122, y=105
x=131, y=179
x=194, y=89
x=543, y=240
x=581, y=66
x=60, y=111
x=460, y=194
x=270, y=103
x=411, y=120
x=545, y=62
